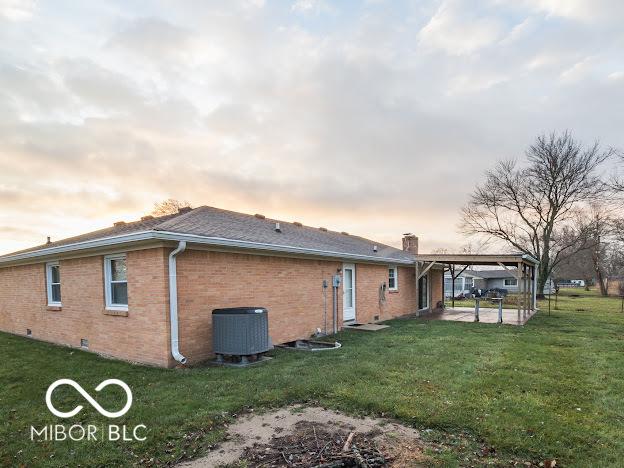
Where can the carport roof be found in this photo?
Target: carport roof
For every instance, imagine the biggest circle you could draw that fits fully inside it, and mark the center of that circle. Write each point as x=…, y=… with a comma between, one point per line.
x=479, y=259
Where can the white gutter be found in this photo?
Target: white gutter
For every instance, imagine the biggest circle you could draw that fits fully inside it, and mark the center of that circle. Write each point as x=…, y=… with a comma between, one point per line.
x=531, y=259
x=222, y=242
x=196, y=239
x=173, y=303
x=90, y=244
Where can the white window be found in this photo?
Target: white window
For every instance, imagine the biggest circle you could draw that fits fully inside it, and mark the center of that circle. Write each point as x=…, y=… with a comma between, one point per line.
x=511, y=282
x=469, y=283
x=393, y=279
x=116, y=282
x=53, y=281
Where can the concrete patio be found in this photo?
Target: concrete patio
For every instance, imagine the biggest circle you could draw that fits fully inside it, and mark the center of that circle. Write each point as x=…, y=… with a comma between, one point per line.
x=486, y=315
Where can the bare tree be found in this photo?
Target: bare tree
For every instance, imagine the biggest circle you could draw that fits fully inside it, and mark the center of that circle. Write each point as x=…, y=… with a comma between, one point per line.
x=169, y=206
x=575, y=265
x=528, y=206
x=617, y=181
x=600, y=229
x=614, y=265
x=590, y=260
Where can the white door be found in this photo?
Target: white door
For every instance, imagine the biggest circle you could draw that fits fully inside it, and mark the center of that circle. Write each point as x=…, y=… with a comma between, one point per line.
x=348, y=292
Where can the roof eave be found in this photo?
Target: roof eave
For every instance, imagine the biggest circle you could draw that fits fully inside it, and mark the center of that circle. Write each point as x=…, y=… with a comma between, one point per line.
x=477, y=259
x=194, y=239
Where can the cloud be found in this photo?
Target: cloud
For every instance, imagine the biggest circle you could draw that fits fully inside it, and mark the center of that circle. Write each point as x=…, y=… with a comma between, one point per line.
x=17, y=10
x=370, y=119
x=585, y=11
x=577, y=71
x=153, y=38
x=616, y=76
x=313, y=7
x=457, y=31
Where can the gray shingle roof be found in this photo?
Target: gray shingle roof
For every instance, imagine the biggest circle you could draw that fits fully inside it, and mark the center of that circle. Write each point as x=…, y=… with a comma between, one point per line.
x=207, y=221
x=118, y=230
x=490, y=274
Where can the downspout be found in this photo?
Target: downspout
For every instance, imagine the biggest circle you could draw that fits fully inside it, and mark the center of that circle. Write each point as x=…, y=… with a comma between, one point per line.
x=173, y=303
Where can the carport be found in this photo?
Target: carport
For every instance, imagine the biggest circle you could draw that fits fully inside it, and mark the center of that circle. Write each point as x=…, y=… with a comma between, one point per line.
x=523, y=267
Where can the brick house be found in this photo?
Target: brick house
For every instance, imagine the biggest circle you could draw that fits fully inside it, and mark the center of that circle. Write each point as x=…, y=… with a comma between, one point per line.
x=144, y=291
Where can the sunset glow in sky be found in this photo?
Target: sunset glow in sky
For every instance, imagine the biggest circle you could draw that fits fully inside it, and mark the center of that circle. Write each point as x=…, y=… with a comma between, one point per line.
x=372, y=117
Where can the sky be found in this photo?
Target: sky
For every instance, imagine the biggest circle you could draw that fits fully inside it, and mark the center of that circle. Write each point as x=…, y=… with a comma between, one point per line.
x=372, y=117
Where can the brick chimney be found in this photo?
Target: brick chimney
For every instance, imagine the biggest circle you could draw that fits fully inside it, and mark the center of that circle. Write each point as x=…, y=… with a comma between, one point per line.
x=410, y=243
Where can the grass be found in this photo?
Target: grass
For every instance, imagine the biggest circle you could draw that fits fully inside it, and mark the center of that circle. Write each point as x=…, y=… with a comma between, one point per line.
x=551, y=389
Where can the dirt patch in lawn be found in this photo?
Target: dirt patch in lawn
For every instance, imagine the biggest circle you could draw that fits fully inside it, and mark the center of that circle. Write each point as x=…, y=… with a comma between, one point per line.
x=316, y=437
x=303, y=436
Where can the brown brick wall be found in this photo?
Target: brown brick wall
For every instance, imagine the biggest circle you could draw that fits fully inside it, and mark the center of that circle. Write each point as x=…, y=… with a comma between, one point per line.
x=291, y=288
x=368, y=280
x=437, y=287
x=142, y=336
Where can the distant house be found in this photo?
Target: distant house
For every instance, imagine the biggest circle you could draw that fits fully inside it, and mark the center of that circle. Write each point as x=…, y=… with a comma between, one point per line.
x=463, y=284
x=571, y=283
x=501, y=279
x=484, y=280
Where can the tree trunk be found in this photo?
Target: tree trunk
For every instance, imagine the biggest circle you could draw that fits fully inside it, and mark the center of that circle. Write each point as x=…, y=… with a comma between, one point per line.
x=601, y=281
x=599, y=276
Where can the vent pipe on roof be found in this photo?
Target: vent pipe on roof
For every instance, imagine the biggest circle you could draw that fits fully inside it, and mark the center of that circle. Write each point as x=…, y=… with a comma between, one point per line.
x=49, y=241
x=173, y=303
x=278, y=227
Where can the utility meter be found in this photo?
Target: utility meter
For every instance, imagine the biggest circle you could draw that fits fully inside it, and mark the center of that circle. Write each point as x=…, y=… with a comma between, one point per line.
x=336, y=281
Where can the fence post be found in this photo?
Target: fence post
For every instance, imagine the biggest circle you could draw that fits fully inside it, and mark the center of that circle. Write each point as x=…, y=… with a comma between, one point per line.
x=500, y=311
x=477, y=300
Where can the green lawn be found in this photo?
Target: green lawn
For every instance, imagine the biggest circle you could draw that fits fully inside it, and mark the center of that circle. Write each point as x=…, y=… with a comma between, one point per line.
x=553, y=388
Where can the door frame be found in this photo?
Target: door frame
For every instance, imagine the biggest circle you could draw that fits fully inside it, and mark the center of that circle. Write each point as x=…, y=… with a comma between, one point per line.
x=428, y=279
x=348, y=266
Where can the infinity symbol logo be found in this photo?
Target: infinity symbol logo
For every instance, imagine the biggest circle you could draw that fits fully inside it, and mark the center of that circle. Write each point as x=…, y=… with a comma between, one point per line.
x=88, y=397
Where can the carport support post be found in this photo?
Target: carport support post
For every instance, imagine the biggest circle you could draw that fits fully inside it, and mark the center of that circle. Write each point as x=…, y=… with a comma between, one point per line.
x=453, y=286
x=525, y=291
x=530, y=286
x=534, y=288
x=519, y=280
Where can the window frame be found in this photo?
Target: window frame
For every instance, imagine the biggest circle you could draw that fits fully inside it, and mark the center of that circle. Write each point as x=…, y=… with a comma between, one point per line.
x=396, y=277
x=108, y=281
x=49, y=284
x=515, y=280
